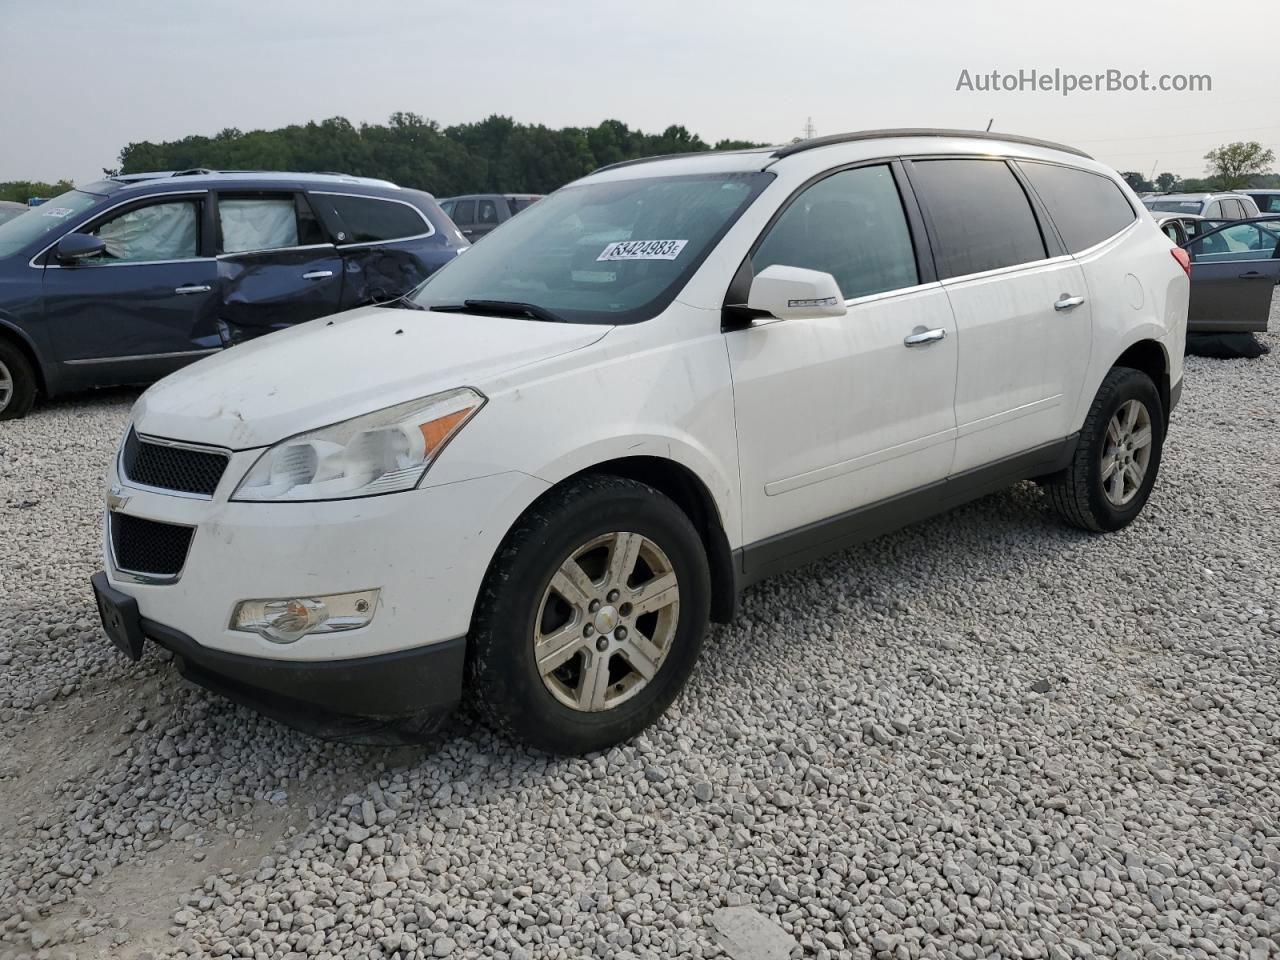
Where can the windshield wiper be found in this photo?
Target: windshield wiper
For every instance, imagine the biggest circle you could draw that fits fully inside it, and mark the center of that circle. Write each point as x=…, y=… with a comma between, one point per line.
x=401, y=303
x=508, y=307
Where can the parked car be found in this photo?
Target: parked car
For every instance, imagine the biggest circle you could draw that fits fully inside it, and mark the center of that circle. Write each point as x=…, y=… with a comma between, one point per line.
x=1181, y=227
x=1234, y=272
x=128, y=279
x=663, y=382
x=478, y=213
x=1268, y=201
x=1211, y=206
x=9, y=209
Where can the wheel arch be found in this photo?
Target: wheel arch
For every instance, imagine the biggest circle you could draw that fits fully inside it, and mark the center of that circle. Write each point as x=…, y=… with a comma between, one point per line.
x=12, y=334
x=1151, y=358
x=686, y=489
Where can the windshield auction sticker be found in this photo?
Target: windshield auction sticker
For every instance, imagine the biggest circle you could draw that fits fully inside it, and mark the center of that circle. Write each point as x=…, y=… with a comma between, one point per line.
x=643, y=250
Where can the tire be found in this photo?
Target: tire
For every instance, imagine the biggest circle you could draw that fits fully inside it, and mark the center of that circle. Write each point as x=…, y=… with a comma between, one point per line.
x=1087, y=493
x=580, y=707
x=17, y=382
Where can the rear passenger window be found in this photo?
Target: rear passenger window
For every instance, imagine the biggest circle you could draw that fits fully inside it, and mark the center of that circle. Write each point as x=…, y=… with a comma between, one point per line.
x=980, y=214
x=487, y=212
x=850, y=225
x=1086, y=208
x=464, y=213
x=261, y=222
x=370, y=220
x=1213, y=211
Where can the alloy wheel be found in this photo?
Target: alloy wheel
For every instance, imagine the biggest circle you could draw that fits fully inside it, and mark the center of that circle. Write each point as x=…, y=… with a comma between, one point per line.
x=1126, y=453
x=606, y=621
x=6, y=385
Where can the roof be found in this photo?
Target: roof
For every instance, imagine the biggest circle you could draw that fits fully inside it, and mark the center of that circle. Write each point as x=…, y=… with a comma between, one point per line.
x=201, y=176
x=800, y=146
x=509, y=196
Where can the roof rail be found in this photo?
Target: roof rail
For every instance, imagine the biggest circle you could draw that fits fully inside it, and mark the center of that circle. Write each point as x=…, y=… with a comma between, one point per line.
x=802, y=145
x=193, y=172
x=671, y=156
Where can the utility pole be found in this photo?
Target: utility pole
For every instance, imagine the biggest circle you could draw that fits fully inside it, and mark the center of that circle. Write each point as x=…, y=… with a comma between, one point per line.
x=810, y=131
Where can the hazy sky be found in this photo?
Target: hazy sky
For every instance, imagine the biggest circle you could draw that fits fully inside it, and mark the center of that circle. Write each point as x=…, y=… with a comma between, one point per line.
x=80, y=80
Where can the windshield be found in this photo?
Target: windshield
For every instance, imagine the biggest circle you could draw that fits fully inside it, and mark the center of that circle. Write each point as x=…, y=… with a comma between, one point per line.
x=600, y=252
x=21, y=230
x=1174, y=206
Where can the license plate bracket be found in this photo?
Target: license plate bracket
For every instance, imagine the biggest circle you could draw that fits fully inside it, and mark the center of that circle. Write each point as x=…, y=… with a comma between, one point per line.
x=120, y=617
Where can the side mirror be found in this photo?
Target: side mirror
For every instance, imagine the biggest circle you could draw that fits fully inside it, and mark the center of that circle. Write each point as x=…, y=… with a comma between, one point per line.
x=78, y=246
x=795, y=293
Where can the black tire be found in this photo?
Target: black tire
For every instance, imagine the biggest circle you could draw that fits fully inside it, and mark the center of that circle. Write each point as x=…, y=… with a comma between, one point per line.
x=1077, y=493
x=503, y=680
x=23, y=379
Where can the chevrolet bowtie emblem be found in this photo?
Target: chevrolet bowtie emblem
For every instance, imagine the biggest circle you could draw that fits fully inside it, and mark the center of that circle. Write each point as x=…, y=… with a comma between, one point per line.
x=116, y=497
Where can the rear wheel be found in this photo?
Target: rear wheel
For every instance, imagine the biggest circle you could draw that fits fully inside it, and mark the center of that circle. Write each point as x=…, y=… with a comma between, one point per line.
x=1117, y=458
x=17, y=382
x=591, y=617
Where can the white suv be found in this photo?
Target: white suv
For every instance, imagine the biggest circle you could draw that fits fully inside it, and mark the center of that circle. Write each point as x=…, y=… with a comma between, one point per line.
x=536, y=478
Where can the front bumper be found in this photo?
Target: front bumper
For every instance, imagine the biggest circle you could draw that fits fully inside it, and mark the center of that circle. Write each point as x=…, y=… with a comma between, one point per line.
x=426, y=551
x=400, y=696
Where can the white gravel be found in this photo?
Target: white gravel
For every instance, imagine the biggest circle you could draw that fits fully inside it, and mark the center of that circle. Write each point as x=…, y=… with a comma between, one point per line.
x=985, y=736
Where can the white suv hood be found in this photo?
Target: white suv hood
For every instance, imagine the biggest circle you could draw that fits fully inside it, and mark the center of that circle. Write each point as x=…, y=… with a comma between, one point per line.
x=339, y=367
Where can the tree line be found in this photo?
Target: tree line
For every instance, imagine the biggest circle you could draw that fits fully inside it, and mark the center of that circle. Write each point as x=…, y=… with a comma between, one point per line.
x=501, y=156
x=494, y=155
x=1232, y=166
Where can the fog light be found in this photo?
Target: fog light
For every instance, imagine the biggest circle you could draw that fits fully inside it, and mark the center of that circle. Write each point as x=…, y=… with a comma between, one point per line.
x=289, y=619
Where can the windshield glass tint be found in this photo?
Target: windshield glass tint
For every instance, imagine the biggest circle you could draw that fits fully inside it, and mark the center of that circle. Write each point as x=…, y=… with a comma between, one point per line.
x=1174, y=206
x=49, y=216
x=600, y=252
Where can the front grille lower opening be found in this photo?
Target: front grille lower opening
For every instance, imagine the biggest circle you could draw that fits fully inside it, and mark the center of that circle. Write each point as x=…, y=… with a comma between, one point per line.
x=148, y=546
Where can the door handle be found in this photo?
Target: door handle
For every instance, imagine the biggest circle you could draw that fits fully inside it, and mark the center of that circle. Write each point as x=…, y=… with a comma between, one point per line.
x=193, y=288
x=925, y=336
x=317, y=275
x=1253, y=275
x=1066, y=302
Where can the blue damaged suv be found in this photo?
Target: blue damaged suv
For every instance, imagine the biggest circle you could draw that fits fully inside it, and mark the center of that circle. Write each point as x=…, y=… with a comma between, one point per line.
x=128, y=279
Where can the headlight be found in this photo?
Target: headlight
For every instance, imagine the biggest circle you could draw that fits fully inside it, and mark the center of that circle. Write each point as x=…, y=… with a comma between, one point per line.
x=380, y=452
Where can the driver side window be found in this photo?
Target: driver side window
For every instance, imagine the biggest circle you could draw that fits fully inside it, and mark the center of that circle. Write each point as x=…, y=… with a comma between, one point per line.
x=1241, y=241
x=158, y=231
x=850, y=225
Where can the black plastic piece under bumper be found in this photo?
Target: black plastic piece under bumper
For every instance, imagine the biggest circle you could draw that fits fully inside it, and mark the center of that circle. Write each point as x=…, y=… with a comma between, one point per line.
x=397, y=697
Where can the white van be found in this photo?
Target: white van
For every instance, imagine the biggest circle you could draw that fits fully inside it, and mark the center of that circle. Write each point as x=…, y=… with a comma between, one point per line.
x=534, y=480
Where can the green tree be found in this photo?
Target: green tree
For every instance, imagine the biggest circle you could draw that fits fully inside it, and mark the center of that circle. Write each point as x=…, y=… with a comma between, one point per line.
x=23, y=190
x=1167, y=182
x=493, y=154
x=1136, y=181
x=1233, y=165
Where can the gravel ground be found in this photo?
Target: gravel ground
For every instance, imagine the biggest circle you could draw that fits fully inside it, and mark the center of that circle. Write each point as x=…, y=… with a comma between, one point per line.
x=987, y=735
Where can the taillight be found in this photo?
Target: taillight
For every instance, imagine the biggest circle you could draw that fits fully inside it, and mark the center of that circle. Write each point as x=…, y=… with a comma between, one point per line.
x=1183, y=258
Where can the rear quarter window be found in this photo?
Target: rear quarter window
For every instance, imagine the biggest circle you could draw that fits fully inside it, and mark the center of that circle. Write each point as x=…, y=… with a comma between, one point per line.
x=372, y=219
x=1087, y=208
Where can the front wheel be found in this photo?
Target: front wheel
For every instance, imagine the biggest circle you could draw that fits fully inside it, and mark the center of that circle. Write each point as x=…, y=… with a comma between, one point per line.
x=1118, y=455
x=590, y=618
x=17, y=382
